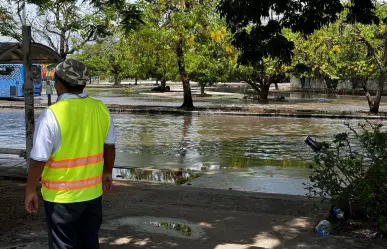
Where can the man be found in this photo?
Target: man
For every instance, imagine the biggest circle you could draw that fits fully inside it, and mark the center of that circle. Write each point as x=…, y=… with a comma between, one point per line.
x=74, y=154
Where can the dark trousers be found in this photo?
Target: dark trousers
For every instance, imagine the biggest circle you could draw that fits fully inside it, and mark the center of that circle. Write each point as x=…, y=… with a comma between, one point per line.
x=74, y=225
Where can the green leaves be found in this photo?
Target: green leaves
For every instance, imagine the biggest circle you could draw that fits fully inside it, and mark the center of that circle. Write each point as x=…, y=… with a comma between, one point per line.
x=352, y=170
x=8, y=26
x=131, y=18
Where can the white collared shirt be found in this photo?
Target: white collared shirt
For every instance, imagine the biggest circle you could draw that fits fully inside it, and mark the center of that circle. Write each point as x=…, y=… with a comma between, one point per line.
x=47, y=136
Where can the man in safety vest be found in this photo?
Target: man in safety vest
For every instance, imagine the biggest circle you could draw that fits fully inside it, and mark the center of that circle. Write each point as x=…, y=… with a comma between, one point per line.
x=74, y=154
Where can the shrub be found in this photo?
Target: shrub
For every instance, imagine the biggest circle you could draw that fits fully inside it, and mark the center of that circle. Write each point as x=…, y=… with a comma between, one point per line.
x=351, y=172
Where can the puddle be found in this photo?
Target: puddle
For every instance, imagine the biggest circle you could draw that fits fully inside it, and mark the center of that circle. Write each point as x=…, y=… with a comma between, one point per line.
x=155, y=175
x=177, y=228
x=251, y=182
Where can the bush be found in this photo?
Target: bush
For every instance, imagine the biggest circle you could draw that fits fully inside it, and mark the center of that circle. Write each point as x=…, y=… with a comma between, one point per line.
x=351, y=172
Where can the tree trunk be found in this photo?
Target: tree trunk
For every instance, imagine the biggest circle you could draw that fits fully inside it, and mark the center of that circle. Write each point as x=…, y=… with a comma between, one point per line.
x=157, y=81
x=135, y=81
x=331, y=84
x=117, y=80
x=163, y=84
x=276, y=86
x=264, y=92
x=188, y=102
x=202, y=89
x=374, y=102
x=62, y=45
x=303, y=82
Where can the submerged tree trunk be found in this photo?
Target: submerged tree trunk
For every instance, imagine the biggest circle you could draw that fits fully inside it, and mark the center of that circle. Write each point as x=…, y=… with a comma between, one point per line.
x=374, y=102
x=117, y=80
x=262, y=89
x=264, y=92
x=331, y=84
x=303, y=82
x=163, y=84
x=202, y=89
x=188, y=102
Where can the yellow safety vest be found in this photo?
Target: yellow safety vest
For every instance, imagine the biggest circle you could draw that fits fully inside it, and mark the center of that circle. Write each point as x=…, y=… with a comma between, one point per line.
x=74, y=172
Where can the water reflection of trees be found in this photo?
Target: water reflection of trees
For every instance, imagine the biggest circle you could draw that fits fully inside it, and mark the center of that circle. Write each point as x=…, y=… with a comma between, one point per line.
x=164, y=176
x=185, y=140
x=190, y=141
x=243, y=153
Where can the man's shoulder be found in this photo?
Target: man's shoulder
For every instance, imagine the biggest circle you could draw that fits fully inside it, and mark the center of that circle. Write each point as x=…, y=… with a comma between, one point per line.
x=100, y=102
x=47, y=117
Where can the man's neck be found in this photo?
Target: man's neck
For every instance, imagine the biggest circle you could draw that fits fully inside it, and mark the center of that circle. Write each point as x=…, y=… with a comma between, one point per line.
x=69, y=93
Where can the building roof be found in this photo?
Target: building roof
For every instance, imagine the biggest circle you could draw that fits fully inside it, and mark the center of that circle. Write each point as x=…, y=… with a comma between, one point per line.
x=12, y=53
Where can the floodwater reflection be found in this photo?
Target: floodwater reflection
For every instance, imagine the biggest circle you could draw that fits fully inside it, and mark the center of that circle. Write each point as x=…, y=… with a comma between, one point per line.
x=164, y=176
x=177, y=149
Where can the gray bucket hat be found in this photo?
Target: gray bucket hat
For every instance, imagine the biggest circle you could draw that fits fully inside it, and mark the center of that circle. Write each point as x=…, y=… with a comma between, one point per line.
x=73, y=72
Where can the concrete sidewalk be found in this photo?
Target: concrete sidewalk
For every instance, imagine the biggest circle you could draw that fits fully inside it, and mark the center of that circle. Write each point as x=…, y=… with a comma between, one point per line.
x=144, y=215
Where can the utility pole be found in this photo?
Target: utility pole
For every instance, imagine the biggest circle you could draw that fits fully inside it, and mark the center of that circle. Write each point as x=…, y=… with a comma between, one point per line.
x=28, y=86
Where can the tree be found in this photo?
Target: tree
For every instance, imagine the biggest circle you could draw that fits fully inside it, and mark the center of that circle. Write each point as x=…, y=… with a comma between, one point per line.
x=320, y=55
x=151, y=52
x=182, y=21
x=258, y=25
x=212, y=57
x=261, y=76
x=346, y=51
x=109, y=57
x=7, y=24
x=374, y=39
x=67, y=25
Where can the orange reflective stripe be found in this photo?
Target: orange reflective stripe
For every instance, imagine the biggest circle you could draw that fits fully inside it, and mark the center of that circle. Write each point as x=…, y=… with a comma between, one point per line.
x=72, y=185
x=76, y=162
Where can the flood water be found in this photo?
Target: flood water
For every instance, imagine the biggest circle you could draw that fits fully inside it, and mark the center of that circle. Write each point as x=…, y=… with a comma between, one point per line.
x=231, y=152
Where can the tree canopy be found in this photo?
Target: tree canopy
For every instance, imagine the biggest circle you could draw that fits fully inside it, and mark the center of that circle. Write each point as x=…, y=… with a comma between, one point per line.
x=67, y=25
x=258, y=25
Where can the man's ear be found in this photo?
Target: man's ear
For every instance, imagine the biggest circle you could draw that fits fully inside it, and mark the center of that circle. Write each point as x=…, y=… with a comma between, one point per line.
x=60, y=87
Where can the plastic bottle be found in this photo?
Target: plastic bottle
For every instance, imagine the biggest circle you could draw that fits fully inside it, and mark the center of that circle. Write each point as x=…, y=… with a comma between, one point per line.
x=313, y=144
x=338, y=213
x=324, y=227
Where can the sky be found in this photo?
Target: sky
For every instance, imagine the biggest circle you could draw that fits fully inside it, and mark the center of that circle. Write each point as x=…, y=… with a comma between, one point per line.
x=30, y=11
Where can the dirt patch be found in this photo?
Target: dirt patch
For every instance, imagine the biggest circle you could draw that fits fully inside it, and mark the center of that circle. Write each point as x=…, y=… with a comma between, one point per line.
x=150, y=213
x=12, y=206
x=357, y=229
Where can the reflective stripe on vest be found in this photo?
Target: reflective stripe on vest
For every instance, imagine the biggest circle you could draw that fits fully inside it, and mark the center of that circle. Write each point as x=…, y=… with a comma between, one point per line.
x=72, y=185
x=77, y=162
